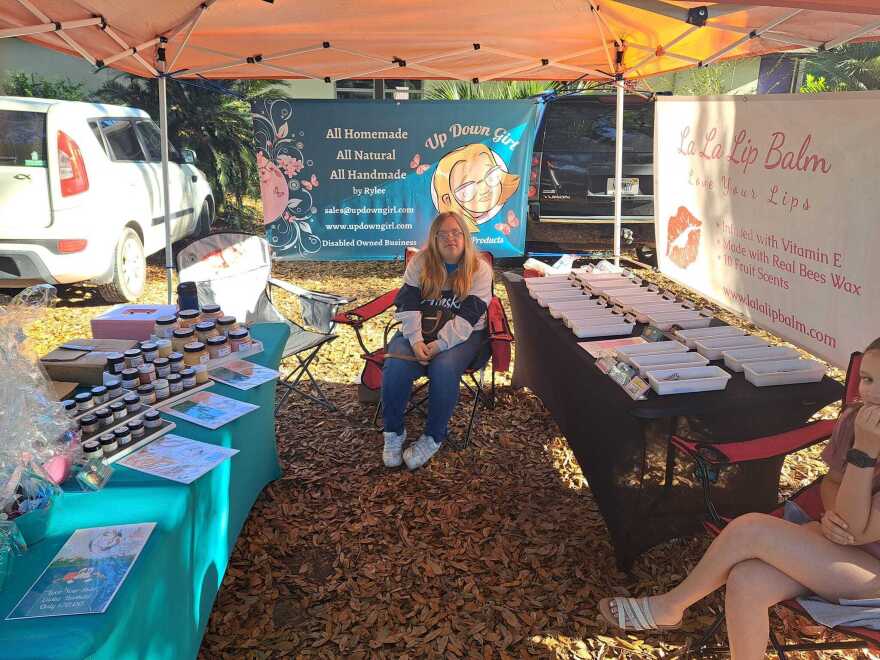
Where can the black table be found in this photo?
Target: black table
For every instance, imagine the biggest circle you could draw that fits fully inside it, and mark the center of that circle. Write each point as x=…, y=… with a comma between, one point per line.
x=623, y=447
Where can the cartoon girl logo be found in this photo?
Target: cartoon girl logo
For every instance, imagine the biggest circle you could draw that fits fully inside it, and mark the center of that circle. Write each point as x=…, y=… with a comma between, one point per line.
x=473, y=181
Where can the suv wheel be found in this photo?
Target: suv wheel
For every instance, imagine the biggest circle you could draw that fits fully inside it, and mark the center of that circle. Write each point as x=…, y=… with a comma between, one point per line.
x=205, y=221
x=129, y=270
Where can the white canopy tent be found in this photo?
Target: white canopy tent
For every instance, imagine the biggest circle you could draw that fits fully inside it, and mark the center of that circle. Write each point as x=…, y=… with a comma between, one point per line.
x=620, y=41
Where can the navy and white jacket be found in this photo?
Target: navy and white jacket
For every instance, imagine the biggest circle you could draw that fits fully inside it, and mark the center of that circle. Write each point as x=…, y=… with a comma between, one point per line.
x=469, y=312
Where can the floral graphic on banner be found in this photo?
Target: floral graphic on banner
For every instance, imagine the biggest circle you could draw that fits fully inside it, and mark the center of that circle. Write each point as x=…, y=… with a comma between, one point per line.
x=288, y=205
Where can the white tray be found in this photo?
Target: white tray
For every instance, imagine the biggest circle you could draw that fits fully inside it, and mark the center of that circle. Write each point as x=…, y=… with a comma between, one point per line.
x=783, y=372
x=627, y=353
x=638, y=297
x=545, y=290
x=604, y=288
x=648, y=363
x=637, y=307
x=683, y=319
x=691, y=379
x=558, y=309
x=735, y=359
x=714, y=348
x=690, y=337
x=547, y=300
x=601, y=277
x=571, y=320
x=585, y=330
x=547, y=279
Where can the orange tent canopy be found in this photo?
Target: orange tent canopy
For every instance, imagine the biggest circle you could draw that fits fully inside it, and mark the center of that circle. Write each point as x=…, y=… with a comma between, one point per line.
x=491, y=40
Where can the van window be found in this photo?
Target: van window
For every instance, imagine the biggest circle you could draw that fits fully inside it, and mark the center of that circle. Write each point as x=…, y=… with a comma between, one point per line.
x=121, y=139
x=22, y=139
x=152, y=140
x=97, y=131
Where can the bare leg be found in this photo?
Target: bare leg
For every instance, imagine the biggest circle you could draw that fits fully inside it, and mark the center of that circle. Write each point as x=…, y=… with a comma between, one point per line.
x=832, y=571
x=753, y=587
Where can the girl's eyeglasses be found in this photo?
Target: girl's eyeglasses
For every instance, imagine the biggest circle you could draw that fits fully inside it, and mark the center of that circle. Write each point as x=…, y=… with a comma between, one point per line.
x=454, y=235
x=468, y=190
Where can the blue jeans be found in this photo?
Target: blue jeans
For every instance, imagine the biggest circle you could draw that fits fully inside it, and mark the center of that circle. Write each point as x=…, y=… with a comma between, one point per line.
x=444, y=372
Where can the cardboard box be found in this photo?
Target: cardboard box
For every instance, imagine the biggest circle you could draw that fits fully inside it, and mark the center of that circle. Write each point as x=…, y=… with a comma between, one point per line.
x=130, y=321
x=83, y=366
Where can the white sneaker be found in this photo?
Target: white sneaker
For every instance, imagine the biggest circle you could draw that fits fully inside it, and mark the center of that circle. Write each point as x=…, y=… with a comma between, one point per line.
x=420, y=452
x=393, y=451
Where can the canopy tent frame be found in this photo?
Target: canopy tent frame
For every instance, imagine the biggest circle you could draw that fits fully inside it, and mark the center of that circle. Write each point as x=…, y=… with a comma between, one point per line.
x=179, y=37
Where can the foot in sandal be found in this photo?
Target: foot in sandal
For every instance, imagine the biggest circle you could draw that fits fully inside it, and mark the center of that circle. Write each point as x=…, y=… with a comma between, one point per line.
x=635, y=614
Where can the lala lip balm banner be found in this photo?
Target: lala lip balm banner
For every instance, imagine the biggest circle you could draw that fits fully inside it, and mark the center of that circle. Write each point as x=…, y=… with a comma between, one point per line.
x=769, y=206
x=362, y=180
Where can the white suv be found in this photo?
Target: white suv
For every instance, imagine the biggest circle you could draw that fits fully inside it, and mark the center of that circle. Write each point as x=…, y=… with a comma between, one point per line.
x=81, y=195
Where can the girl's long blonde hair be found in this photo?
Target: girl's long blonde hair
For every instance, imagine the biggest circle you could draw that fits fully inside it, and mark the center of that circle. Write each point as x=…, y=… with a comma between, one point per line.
x=433, y=278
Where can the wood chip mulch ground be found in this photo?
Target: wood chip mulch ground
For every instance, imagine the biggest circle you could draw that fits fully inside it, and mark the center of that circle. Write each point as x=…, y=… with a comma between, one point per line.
x=494, y=551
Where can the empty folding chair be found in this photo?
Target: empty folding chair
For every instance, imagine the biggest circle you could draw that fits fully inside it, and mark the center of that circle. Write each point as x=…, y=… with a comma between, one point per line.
x=233, y=270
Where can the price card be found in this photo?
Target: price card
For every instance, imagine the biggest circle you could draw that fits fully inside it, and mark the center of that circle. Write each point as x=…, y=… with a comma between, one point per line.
x=637, y=388
x=606, y=364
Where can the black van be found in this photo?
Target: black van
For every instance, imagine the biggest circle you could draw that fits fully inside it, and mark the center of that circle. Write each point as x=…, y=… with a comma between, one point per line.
x=572, y=178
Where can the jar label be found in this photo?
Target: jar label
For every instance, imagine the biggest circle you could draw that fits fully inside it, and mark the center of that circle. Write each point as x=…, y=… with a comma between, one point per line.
x=163, y=371
x=223, y=351
x=203, y=359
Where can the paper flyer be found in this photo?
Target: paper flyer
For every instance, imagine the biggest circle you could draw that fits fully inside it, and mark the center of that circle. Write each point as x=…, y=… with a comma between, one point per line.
x=208, y=409
x=177, y=458
x=86, y=573
x=242, y=375
x=599, y=348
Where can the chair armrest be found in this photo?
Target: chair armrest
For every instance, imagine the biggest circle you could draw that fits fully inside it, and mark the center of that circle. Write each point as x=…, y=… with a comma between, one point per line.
x=357, y=316
x=318, y=296
x=757, y=449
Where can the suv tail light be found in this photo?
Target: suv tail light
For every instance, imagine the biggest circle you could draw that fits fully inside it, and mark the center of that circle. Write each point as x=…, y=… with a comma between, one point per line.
x=534, y=173
x=71, y=167
x=70, y=245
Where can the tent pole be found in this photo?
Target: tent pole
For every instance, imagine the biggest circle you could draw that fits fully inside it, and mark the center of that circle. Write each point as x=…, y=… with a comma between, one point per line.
x=618, y=170
x=163, y=130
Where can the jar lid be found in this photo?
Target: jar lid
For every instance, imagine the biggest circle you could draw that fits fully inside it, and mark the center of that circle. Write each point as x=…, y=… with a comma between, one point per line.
x=241, y=333
x=91, y=446
x=146, y=368
x=173, y=378
x=103, y=413
x=99, y=390
x=107, y=439
x=163, y=342
x=121, y=432
x=186, y=373
x=204, y=326
x=226, y=320
x=130, y=374
x=219, y=340
x=149, y=346
x=188, y=313
x=69, y=404
x=135, y=424
x=115, y=357
x=175, y=357
x=151, y=415
x=118, y=405
x=210, y=309
x=183, y=333
x=133, y=352
x=82, y=397
x=194, y=347
x=146, y=389
x=166, y=320
x=160, y=362
x=131, y=398
x=113, y=384
x=88, y=419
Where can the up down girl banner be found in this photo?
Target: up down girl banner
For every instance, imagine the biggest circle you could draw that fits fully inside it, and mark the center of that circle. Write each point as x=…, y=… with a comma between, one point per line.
x=362, y=180
x=769, y=205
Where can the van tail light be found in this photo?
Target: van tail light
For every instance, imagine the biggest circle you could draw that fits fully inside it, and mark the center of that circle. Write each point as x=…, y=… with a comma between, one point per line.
x=71, y=167
x=70, y=245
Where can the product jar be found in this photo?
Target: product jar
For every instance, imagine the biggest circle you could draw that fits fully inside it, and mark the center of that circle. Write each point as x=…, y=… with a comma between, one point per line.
x=164, y=347
x=84, y=401
x=150, y=349
x=119, y=410
x=218, y=347
x=175, y=361
x=147, y=394
x=114, y=388
x=152, y=419
x=211, y=312
x=108, y=443
x=175, y=384
x=182, y=337
x=132, y=403
x=188, y=378
x=99, y=394
x=92, y=450
x=130, y=379
x=105, y=417
x=226, y=323
x=136, y=428
x=162, y=389
x=146, y=373
x=123, y=436
x=239, y=340
x=89, y=424
x=187, y=318
x=164, y=327
x=134, y=357
x=115, y=363
x=205, y=330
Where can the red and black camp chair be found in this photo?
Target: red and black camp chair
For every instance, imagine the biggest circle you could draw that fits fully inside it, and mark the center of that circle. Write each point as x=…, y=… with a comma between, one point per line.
x=710, y=460
x=499, y=339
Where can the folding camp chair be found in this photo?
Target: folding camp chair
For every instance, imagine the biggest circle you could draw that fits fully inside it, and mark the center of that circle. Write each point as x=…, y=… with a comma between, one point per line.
x=710, y=460
x=499, y=340
x=234, y=270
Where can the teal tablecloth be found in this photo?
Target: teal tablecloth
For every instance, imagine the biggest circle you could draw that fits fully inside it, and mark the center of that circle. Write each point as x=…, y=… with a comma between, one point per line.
x=163, y=607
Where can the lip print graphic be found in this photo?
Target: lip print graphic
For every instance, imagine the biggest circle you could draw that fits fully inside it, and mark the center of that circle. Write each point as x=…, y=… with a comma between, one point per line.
x=683, y=238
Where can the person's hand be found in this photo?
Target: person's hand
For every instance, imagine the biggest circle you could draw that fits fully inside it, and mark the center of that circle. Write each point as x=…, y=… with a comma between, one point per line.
x=834, y=529
x=421, y=352
x=868, y=429
x=433, y=348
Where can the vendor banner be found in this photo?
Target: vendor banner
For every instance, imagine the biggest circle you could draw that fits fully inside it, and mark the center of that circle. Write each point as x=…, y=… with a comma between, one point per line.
x=362, y=180
x=770, y=206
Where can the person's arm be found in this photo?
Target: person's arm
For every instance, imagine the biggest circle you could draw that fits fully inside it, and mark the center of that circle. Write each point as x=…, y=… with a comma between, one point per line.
x=472, y=308
x=408, y=302
x=853, y=502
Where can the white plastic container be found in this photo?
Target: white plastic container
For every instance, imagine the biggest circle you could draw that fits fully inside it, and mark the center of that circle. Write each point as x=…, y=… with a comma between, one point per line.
x=736, y=358
x=575, y=318
x=545, y=299
x=691, y=379
x=548, y=279
x=783, y=372
x=683, y=319
x=648, y=363
x=558, y=309
x=601, y=329
x=627, y=353
x=660, y=305
x=714, y=348
x=543, y=290
x=627, y=298
x=604, y=288
x=690, y=337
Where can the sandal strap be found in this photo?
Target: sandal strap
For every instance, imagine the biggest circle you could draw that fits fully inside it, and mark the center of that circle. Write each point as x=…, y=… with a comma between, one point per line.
x=637, y=612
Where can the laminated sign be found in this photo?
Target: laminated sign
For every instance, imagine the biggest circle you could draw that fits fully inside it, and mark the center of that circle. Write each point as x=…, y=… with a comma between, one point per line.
x=362, y=180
